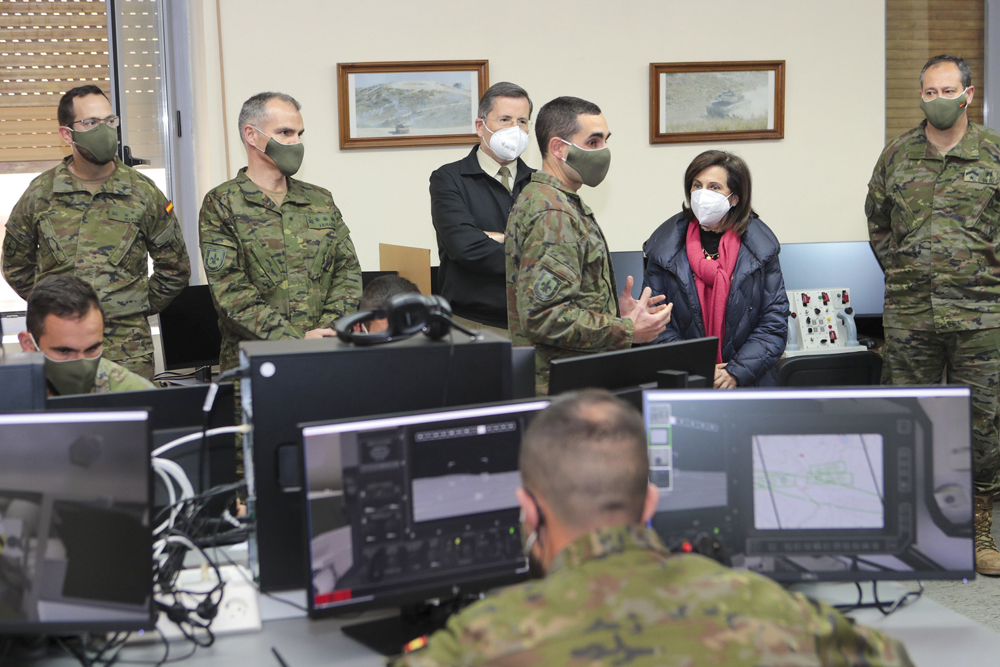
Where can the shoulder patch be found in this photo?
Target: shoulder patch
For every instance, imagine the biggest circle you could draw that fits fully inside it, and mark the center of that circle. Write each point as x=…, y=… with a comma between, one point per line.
x=214, y=258
x=546, y=286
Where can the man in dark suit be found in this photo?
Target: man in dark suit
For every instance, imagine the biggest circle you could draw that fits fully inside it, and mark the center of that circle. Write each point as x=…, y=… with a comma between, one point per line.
x=470, y=200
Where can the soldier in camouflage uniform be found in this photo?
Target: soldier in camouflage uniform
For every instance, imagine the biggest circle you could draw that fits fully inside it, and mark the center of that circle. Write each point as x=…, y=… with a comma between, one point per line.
x=277, y=253
x=934, y=219
x=612, y=593
x=66, y=324
x=561, y=292
x=96, y=218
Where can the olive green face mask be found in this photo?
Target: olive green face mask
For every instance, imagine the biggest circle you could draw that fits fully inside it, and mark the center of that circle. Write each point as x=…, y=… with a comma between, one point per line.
x=591, y=163
x=71, y=376
x=98, y=144
x=942, y=112
x=288, y=157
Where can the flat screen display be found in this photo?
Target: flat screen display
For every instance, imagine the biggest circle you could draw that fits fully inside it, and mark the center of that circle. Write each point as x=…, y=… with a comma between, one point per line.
x=75, y=540
x=402, y=509
x=820, y=484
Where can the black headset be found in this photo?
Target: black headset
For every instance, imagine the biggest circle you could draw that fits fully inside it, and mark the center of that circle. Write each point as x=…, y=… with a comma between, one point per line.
x=408, y=314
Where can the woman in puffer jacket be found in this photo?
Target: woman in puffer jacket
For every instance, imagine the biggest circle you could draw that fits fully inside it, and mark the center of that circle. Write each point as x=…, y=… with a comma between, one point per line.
x=718, y=264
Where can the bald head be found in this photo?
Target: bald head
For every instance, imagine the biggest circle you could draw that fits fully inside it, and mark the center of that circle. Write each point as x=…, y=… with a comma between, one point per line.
x=585, y=455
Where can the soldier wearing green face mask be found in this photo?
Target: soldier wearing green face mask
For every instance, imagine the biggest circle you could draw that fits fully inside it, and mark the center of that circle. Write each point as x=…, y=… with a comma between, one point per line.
x=933, y=211
x=96, y=218
x=278, y=256
x=561, y=292
x=66, y=324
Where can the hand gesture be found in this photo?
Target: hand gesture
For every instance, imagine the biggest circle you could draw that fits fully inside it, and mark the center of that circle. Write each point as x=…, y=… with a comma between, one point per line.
x=648, y=321
x=626, y=304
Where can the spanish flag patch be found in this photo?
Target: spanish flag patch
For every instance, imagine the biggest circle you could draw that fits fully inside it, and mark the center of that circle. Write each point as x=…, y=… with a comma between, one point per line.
x=169, y=208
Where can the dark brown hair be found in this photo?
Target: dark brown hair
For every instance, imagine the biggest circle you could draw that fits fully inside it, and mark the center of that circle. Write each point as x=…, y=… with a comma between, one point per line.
x=561, y=118
x=66, y=296
x=67, y=112
x=737, y=180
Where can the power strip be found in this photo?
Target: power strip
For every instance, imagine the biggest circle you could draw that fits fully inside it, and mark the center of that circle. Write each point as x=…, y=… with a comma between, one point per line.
x=239, y=610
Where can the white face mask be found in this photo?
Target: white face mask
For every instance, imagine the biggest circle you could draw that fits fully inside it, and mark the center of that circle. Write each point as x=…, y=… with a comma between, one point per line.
x=508, y=143
x=709, y=207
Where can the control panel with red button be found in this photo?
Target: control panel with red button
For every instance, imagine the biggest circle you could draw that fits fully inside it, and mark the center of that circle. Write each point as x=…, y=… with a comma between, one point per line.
x=819, y=330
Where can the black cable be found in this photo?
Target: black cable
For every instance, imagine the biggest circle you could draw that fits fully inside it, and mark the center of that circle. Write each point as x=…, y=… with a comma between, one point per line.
x=886, y=608
x=205, y=495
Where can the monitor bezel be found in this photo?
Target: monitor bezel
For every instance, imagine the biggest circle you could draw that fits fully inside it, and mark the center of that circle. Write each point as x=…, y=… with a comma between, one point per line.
x=661, y=518
x=35, y=628
x=457, y=586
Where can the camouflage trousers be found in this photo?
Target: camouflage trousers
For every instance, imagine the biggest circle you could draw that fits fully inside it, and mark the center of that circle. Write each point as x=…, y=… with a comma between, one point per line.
x=971, y=358
x=128, y=342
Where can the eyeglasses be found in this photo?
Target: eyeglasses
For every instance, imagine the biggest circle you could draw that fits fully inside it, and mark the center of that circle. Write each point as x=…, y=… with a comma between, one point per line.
x=508, y=121
x=91, y=123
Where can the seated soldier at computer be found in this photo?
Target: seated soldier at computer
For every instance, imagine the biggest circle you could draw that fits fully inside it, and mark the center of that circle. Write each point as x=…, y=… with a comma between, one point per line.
x=612, y=594
x=376, y=297
x=66, y=324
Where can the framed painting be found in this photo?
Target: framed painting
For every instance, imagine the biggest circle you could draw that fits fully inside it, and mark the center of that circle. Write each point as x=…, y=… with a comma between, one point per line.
x=423, y=103
x=725, y=101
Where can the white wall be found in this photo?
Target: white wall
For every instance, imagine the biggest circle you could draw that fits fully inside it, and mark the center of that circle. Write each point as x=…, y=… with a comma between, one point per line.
x=809, y=186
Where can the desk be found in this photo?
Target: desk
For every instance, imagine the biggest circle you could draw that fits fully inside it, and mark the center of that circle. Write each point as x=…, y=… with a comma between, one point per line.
x=933, y=634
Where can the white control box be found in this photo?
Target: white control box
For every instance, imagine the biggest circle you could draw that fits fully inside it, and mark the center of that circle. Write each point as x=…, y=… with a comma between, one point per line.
x=822, y=322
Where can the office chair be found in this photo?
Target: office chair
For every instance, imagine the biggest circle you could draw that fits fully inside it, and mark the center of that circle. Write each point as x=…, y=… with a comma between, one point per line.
x=831, y=370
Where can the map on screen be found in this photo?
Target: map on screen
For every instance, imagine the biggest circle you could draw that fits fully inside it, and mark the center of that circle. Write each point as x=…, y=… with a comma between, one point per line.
x=818, y=481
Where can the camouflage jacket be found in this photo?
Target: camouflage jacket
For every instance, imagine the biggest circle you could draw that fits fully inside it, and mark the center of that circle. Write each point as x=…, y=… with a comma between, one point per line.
x=617, y=597
x=934, y=223
x=112, y=377
x=276, y=272
x=561, y=292
x=58, y=227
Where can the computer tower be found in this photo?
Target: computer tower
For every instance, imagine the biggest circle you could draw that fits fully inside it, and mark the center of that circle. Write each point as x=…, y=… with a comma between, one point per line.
x=294, y=382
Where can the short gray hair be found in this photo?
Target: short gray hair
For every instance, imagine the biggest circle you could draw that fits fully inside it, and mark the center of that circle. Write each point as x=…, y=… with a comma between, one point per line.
x=502, y=89
x=958, y=61
x=255, y=109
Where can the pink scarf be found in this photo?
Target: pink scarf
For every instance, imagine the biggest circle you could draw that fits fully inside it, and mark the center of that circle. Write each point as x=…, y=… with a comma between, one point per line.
x=712, y=278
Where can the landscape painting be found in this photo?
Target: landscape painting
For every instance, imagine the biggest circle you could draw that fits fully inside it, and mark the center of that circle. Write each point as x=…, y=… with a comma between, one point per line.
x=695, y=102
x=410, y=104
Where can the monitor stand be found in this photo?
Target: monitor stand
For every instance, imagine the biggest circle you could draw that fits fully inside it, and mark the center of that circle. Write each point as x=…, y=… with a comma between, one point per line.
x=388, y=636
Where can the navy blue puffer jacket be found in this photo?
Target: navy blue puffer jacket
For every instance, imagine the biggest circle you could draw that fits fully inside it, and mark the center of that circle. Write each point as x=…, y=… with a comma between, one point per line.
x=757, y=310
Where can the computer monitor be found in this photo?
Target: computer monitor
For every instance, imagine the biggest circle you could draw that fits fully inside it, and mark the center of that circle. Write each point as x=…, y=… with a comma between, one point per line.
x=175, y=412
x=627, y=263
x=74, y=523
x=850, y=264
x=189, y=330
x=818, y=484
x=624, y=369
x=293, y=382
x=22, y=382
x=407, y=508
